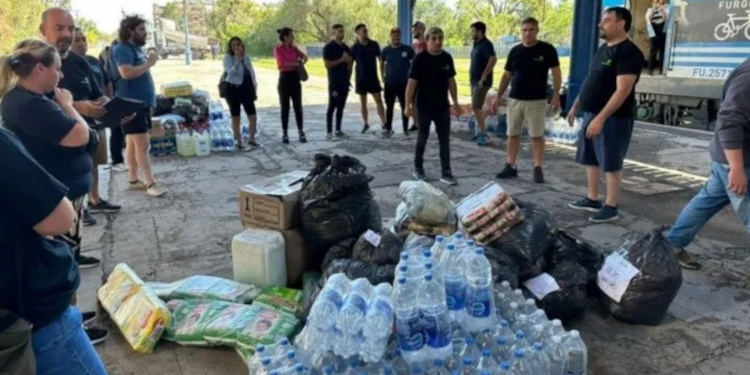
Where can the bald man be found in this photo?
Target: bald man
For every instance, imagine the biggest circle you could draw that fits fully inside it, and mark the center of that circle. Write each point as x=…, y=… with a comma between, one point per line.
x=57, y=29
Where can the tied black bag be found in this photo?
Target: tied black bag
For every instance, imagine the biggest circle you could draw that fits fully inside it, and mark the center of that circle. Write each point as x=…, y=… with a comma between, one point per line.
x=223, y=85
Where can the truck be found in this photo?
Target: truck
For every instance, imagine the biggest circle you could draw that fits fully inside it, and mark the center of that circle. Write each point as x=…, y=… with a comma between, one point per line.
x=166, y=41
x=706, y=40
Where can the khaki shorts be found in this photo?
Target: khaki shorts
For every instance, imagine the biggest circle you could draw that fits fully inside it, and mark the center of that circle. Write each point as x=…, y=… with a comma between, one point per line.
x=100, y=157
x=530, y=111
x=478, y=95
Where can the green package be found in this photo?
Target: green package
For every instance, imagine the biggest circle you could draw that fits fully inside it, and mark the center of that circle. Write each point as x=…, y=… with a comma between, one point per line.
x=280, y=298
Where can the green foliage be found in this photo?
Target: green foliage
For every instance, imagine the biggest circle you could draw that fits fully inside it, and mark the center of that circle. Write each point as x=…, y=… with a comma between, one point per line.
x=19, y=19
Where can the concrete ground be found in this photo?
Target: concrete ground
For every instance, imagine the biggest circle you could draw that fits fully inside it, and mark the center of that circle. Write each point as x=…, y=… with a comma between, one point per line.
x=187, y=232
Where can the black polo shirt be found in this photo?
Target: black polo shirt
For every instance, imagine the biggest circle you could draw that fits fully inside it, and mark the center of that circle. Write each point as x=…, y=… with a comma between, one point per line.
x=366, y=57
x=339, y=75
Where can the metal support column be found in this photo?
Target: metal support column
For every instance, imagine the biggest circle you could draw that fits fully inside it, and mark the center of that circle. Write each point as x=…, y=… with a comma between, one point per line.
x=585, y=41
x=405, y=8
x=188, y=52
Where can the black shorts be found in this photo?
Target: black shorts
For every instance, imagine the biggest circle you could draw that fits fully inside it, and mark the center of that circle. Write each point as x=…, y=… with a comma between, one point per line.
x=240, y=96
x=140, y=124
x=368, y=86
x=608, y=149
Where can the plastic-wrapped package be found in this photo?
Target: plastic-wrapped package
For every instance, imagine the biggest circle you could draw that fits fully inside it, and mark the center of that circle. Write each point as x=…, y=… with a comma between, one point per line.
x=280, y=298
x=139, y=314
x=205, y=287
x=426, y=204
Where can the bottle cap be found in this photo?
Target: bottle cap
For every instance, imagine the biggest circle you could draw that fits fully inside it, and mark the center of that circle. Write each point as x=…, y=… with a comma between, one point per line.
x=501, y=341
x=428, y=277
x=402, y=281
x=519, y=353
x=467, y=360
x=451, y=247
x=505, y=365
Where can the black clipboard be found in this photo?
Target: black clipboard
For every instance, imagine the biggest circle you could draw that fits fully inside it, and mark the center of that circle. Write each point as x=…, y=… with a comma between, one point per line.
x=118, y=108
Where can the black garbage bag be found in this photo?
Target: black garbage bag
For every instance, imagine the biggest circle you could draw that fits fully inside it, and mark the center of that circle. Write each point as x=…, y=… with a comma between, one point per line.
x=571, y=300
x=336, y=202
x=388, y=250
x=504, y=268
x=571, y=249
x=652, y=290
x=343, y=249
x=528, y=242
x=355, y=269
x=163, y=105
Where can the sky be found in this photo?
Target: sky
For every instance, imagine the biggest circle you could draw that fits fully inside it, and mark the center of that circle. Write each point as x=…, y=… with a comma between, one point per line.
x=107, y=13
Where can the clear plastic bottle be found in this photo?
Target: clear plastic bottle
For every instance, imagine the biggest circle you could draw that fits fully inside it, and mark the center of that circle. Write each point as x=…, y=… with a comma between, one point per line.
x=467, y=366
x=485, y=339
x=517, y=296
x=522, y=323
x=501, y=351
x=504, y=287
x=438, y=368
x=520, y=363
x=480, y=301
x=435, y=320
x=408, y=322
x=438, y=248
x=538, y=359
x=325, y=310
x=512, y=314
x=519, y=342
x=528, y=307
x=455, y=284
x=379, y=321
x=556, y=328
x=577, y=354
x=503, y=368
x=502, y=329
x=538, y=333
x=398, y=363
x=486, y=362
x=470, y=350
x=557, y=356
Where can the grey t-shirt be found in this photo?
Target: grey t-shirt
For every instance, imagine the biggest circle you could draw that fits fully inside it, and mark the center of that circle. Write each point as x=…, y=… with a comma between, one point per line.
x=733, y=122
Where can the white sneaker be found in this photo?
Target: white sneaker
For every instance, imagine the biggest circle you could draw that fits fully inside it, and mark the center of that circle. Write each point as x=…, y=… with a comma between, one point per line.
x=156, y=190
x=119, y=167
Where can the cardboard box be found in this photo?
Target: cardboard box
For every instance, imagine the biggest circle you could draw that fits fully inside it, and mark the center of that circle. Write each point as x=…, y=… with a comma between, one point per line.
x=272, y=203
x=298, y=256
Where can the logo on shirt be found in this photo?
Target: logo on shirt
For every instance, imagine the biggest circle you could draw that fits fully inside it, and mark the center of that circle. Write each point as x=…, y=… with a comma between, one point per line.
x=608, y=62
x=539, y=59
x=447, y=67
x=404, y=54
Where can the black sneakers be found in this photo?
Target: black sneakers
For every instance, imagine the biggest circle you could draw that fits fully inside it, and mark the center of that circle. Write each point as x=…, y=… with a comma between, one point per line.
x=96, y=335
x=302, y=137
x=103, y=207
x=586, y=204
x=285, y=139
x=508, y=172
x=88, y=317
x=87, y=262
x=538, y=175
x=605, y=215
x=448, y=179
x=419, y=175
x=365, y=128
x=87, y=219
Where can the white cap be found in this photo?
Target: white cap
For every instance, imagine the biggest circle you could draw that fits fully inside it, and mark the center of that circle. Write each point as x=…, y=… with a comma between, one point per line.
x=556, y=339
x=575, y=333
x=513, y=305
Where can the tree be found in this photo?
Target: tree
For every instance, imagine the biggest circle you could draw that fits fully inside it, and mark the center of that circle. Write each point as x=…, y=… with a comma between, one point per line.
x=19, y=19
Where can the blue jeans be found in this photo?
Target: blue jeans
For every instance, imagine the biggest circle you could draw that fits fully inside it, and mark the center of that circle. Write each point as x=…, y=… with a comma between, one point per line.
x=63, y=348
x=710, y=200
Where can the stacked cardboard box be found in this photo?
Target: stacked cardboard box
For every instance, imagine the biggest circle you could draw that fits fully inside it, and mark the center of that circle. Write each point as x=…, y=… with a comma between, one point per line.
x=273, y=204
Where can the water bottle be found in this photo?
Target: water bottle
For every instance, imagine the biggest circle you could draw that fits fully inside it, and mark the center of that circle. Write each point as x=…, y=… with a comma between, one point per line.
x=504, y=287
x=501, y=351
x=435, y=320
x=480, y=302
x=408, y=324
x=470, y=350
x=458, y=240
x=512, y=314
x=577, y=354
x=522, y=323
x=455, y=284
x=263, y=366
x=325, y=310
x=538, y=317
x=379, y=322
x=519, y=342
x=438, y=248
x=387, y=370
x=353, y=366
x=517, y=297
x=557, y=356
x=486, y=362
x=398, y=363
x=467, y=366
x=502, y=330
x=528, y=307
x=556, y=328
x=537, y=333
x=538, y=359
x=437, y=368
x=503, y=368
x=520, y=363
x=416, y=370
x=486, y=338
x=327, y=370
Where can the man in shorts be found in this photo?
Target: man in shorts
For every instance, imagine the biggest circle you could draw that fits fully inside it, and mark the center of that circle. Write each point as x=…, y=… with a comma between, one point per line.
x=607, y=102
x=483, y=60
x=366, y=52
x=526, y=69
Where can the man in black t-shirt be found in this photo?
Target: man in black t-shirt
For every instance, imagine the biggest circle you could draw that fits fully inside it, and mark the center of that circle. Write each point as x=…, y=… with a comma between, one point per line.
x=526, y=71
x=338, y=61
x=366, y=52
x=432, y=77
x=395, y=66
x=607, y=101
x=95, y=204
x=57, y=29
x=483, y=60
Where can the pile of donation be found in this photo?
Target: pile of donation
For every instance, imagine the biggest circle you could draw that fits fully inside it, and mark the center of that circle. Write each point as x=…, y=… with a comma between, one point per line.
x=323, y=285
